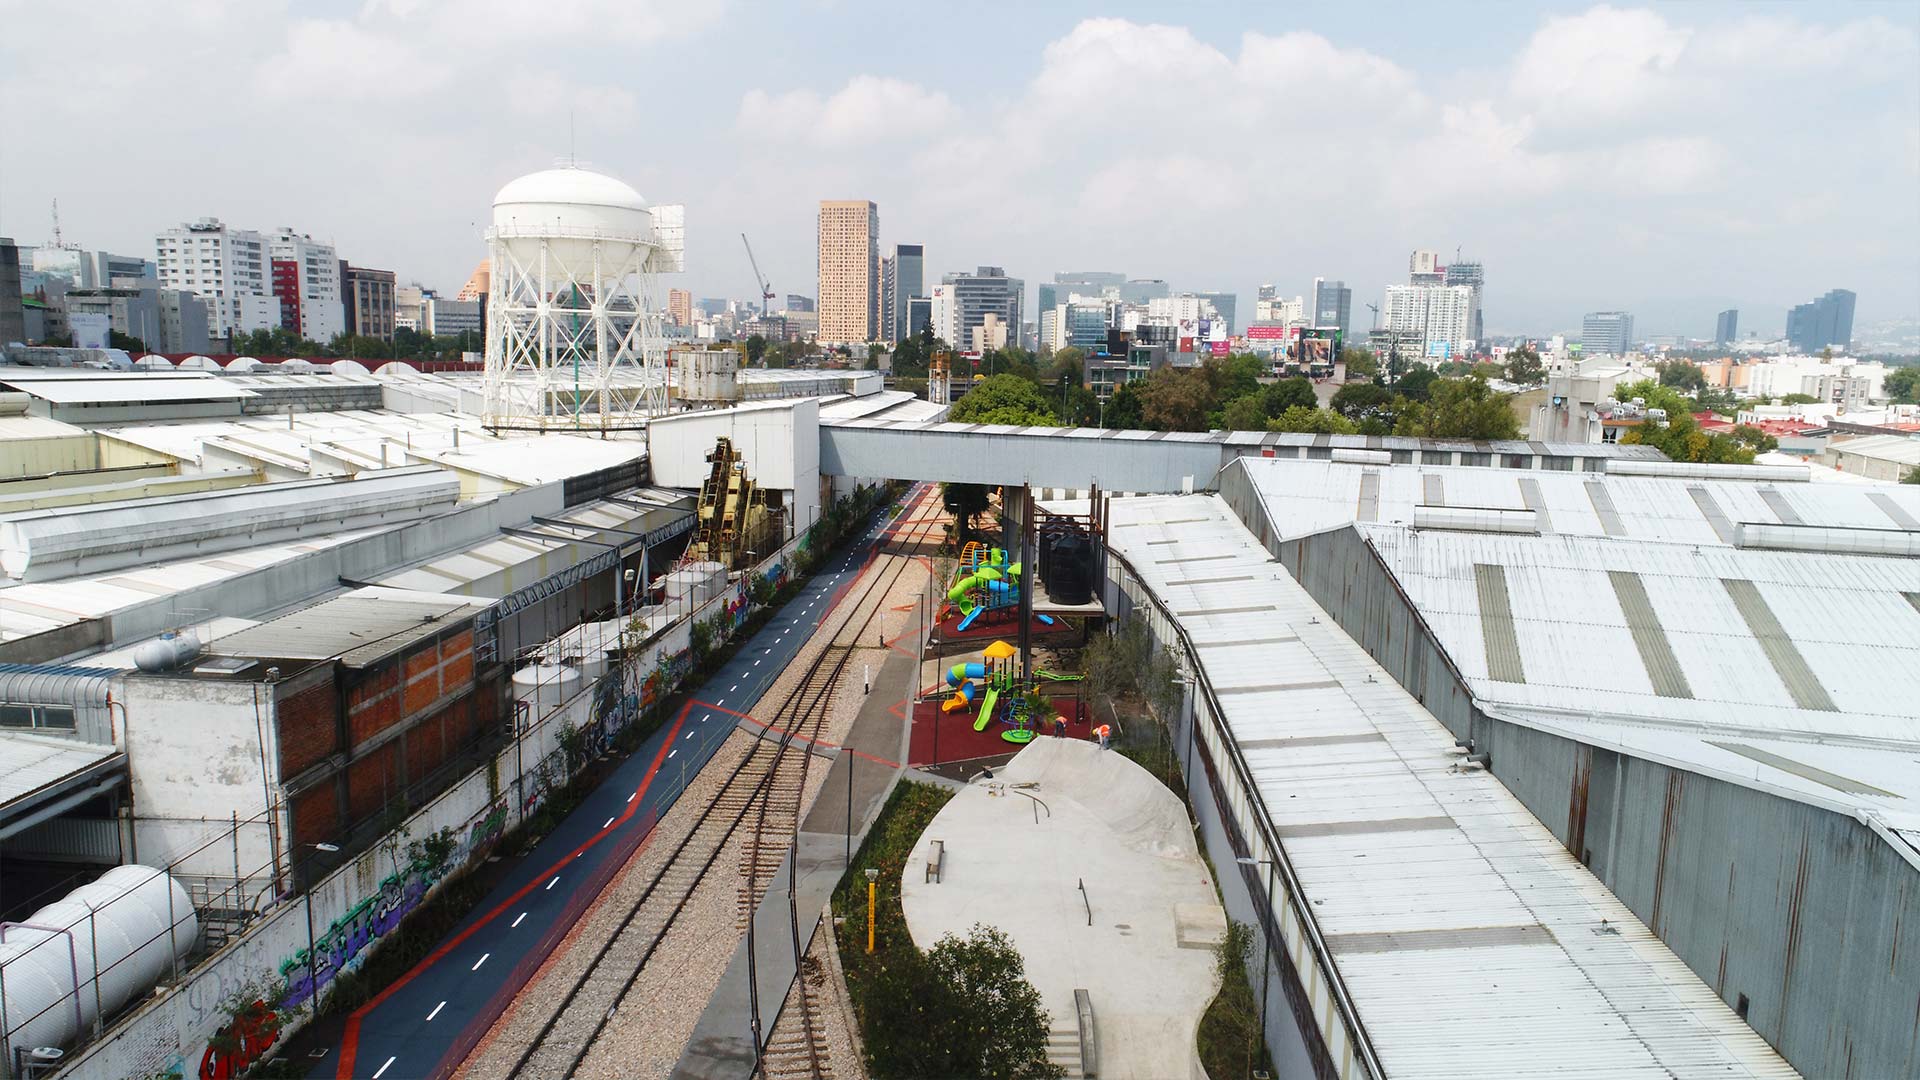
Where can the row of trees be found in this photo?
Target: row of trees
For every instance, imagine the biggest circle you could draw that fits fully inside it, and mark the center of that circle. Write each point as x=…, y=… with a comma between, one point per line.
x=407, y=344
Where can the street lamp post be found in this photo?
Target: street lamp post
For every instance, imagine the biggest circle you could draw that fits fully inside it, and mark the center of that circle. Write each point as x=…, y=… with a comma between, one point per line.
x=873, y=876
x=1266, y=960
x=313, y=990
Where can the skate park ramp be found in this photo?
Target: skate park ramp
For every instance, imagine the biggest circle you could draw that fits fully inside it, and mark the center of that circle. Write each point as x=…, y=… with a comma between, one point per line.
x=1089, y=864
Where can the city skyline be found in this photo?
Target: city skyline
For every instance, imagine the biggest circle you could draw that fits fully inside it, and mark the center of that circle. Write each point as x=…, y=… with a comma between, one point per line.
x=1576, y=194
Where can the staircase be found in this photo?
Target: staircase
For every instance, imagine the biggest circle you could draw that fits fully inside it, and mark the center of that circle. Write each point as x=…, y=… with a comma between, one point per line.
x=1063, y=1049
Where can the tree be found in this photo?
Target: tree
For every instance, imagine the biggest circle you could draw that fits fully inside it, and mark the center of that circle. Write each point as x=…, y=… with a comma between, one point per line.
x=1912, y=477
x=1681, y=439
x=125, y=342
x=1125, y=410
x=1003, y=1028
x=1067, y=363
x=1681, y=376
x=1287, y=393
x=1524, y=367
x=1360, y=363
x=756, y=348
x=1357, y=401
x=1176, y=400
x=1416, y=384
x=1245, y=413
x=1004, y=399
x=1460, y=409
x=1903, y=384
x=1799, y=399
x=1761, y=442
x=1315, y=421
x=965, y=502
x=1234, y=376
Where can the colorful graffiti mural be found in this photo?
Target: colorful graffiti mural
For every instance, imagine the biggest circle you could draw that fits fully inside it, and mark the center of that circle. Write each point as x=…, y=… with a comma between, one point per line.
x=346, y=938
x=240, y=1042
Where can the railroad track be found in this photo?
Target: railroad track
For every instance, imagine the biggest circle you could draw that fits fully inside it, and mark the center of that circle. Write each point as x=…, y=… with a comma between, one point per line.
x=761, y=794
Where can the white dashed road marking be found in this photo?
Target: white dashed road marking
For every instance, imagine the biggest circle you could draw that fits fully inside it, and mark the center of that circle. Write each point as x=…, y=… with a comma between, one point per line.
x=555, y=881
x=482, y=960
x=517, y=920
x=436, y=1010
x=382, y=1069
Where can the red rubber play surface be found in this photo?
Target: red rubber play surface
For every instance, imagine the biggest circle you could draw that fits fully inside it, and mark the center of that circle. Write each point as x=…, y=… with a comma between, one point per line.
x=997, y=624
x=958, y=740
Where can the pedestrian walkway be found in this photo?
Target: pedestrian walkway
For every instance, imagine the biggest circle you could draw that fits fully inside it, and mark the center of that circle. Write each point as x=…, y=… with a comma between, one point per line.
x=860, y=780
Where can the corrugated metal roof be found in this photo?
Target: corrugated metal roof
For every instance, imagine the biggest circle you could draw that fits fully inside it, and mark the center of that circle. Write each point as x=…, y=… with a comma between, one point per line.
x=359, y=628
x=1305, y=497
x=1765, y=641
x=1471, y=941
x=31, y=763
x=128, y=391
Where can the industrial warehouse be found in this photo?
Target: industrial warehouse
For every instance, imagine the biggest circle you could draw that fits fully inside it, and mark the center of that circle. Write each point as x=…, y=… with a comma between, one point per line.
x=1518, y=758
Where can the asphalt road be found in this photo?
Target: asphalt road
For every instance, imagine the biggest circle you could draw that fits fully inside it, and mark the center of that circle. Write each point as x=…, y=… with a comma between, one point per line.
x=427, y=1021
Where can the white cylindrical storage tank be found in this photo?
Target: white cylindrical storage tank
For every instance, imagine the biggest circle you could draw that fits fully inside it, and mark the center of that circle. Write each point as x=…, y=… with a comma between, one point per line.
x=166, y=652
x=569, y=210
x=1363, y=457
x=131, y=925
x=1475, y=519
x=545, y=687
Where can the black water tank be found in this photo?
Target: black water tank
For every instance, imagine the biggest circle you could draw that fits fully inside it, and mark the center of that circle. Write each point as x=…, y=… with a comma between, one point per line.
x=1070, y=571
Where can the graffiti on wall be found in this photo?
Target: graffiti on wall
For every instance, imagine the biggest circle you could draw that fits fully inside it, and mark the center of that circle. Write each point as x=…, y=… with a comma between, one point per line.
x=240, y=1042
x=345, y=939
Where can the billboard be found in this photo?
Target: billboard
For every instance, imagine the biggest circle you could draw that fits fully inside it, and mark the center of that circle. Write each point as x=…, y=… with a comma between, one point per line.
x=89, y=329
x=1316, y=351
x=1219, y=347
x=1186, y=344
x=1439, y=350
x=1268, y=333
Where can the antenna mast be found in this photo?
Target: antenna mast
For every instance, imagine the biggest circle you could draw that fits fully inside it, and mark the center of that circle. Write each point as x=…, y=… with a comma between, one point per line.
x=57, y=241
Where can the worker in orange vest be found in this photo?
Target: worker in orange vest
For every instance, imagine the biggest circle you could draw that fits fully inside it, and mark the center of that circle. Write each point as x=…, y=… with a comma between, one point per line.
x=1101, y=733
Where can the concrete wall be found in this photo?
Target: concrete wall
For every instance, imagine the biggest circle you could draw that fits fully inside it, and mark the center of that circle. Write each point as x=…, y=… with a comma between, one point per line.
x=197, y=762
x=355, y=906
x=781, y=443
x=60, y=453
x=1808, y=913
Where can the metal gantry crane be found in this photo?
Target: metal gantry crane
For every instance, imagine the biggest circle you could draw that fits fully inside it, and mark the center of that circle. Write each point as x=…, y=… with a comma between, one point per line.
x=766, y=289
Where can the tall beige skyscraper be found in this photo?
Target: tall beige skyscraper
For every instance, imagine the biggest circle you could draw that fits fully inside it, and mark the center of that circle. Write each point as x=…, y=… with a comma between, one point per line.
x=849, y=270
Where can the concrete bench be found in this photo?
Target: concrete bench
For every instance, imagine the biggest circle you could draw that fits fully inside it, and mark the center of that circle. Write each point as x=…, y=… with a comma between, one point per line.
x=936, y=860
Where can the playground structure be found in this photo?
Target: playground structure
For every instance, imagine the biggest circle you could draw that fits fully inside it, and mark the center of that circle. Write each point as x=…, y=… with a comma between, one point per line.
x=987, y=582
x=1002, y=690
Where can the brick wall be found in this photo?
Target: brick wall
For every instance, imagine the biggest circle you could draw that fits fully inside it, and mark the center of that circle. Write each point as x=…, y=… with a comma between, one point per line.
x=371, y=781
x=306, y=709
x=316, y=815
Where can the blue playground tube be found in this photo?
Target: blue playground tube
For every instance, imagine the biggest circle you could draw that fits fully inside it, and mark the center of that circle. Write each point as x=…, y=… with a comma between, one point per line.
x=958, y=674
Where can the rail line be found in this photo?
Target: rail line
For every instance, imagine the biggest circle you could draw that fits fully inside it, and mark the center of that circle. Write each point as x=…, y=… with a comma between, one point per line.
x=748, y=796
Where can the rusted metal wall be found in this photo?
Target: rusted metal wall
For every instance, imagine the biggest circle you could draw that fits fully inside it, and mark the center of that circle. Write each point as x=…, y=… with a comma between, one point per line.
x=1808, y=914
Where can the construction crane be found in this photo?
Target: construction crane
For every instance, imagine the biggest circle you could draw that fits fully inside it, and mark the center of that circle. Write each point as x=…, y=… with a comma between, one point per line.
x=1375, y=308
x=766, y=290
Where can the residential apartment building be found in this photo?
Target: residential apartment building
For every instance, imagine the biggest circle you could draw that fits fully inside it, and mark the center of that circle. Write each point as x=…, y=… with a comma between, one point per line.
x=680, y=307
x=369, y=301
x=1608, y=333
x=227, y=268
x=849, y=269
x=1473, y=276
x=306, y=279
x=1437, y=316
x=1425, y=268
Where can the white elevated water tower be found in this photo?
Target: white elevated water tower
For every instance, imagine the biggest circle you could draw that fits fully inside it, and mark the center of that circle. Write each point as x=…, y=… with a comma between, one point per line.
x=574, y=323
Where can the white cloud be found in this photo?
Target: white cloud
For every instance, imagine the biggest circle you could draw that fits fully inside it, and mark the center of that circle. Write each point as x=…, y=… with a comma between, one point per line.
x=337, y=60
x=1602, y=63
x=868, y=109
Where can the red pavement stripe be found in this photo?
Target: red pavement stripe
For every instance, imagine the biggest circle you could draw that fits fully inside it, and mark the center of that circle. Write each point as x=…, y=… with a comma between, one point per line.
x=350, y=1039
x=750, y=718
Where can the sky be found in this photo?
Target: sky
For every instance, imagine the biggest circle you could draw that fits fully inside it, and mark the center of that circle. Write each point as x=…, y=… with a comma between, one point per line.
x=1670, y=160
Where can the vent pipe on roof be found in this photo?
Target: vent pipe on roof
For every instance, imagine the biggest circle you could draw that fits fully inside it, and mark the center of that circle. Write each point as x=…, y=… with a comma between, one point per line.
x=1702, y=471
x=1476, y=519
x=1900, y=543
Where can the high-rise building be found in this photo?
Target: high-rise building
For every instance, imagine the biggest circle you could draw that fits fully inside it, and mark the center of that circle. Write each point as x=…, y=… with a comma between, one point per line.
x=849, y=271
x=1270, y=292
x=306, y=278
x=902, y=277
x=1434, y=315
x=183, y=322
x=13, y=313
x=1825, y=322
x=1223, y=305
x=1608, y=332
x=479, y=283
x=90, y=269
x=1726, y=329
x=1332, y=305
x=941, y=314
x=986, y=291
x=369, y=301
x=680, y=307
x=1473, y=276
x=1142, y=290
x=227, y=268
x=798, y=303
x=919, y=314
x=1424, y=268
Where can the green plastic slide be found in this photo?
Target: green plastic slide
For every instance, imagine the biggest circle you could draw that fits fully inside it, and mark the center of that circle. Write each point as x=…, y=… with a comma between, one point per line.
x=1054, y=676
x=986, y=709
